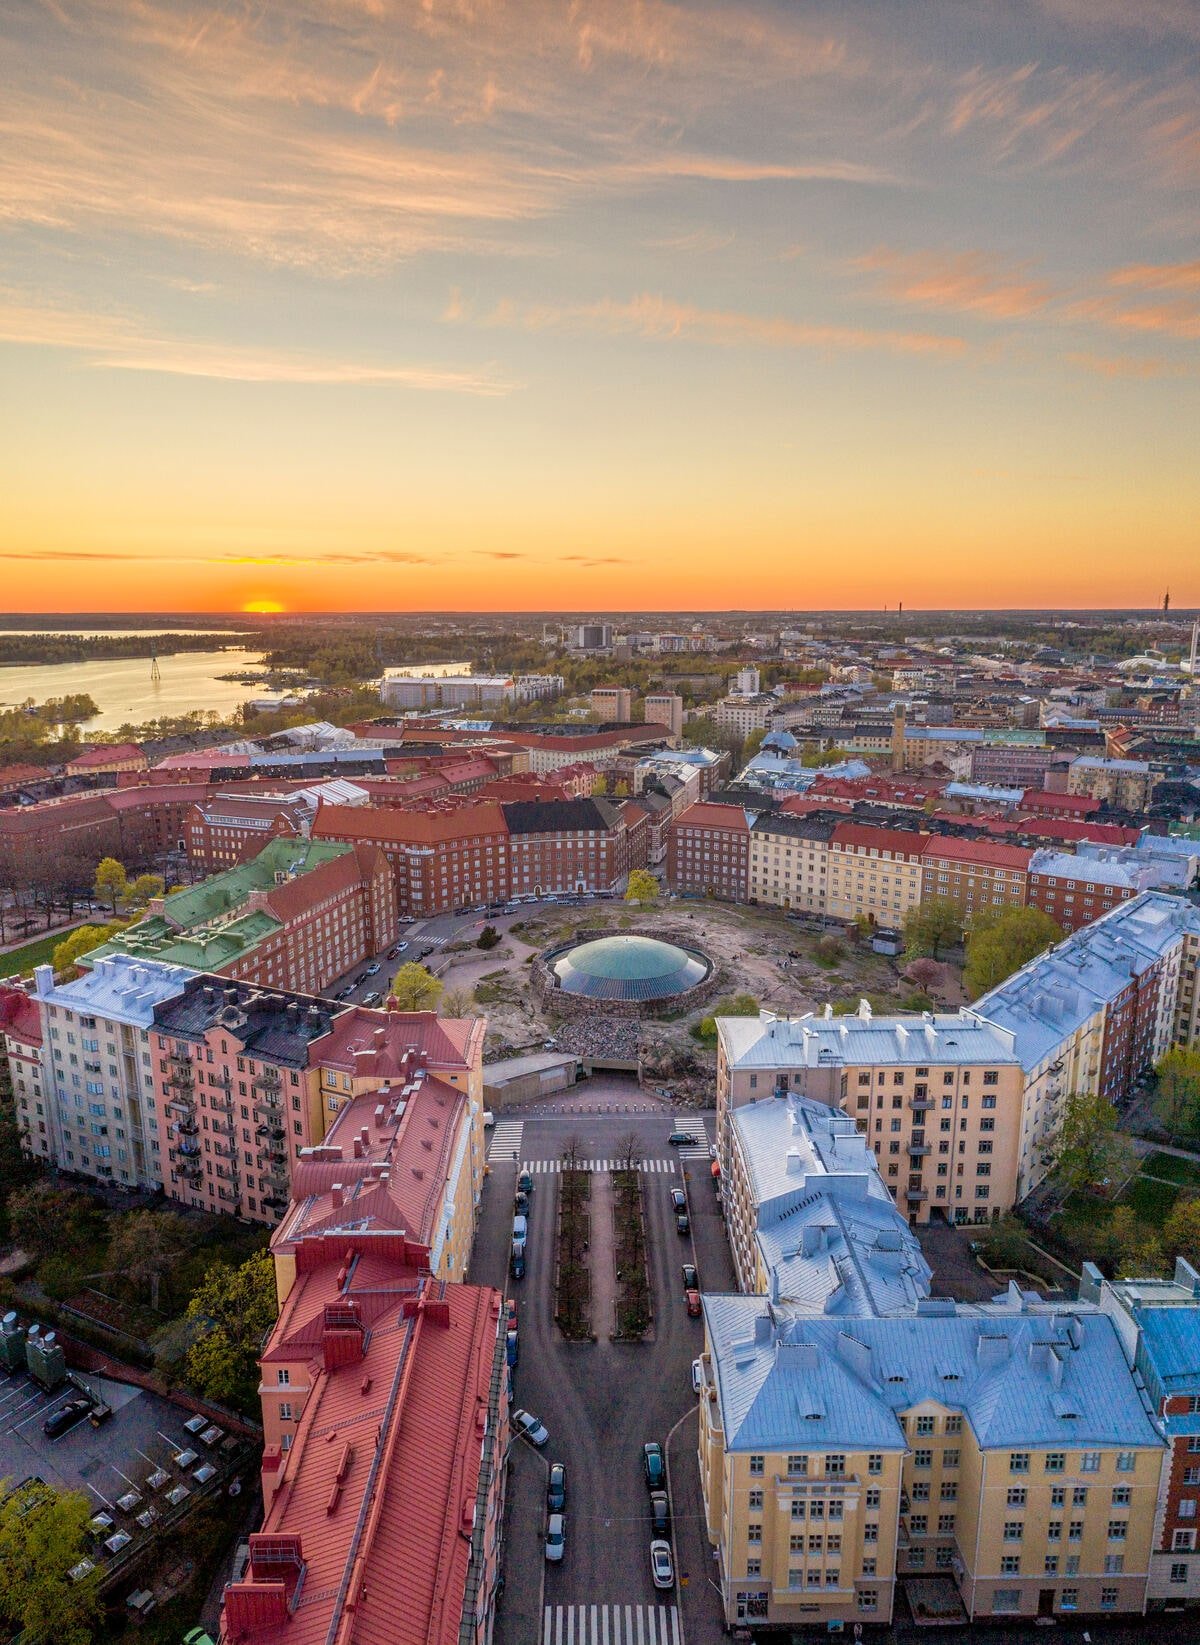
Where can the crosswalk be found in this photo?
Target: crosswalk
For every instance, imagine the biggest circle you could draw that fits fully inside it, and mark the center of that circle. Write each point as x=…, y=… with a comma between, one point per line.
x=548, y=1167
x=610, y=1625
x=506, y=1140
x=694, y=1124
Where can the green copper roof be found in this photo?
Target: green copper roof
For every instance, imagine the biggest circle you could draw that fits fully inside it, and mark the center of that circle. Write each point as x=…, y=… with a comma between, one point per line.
x=202, y=926
x=628, y=967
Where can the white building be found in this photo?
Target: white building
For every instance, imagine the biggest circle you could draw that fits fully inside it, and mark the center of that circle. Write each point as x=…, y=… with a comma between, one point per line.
x=98, y=1068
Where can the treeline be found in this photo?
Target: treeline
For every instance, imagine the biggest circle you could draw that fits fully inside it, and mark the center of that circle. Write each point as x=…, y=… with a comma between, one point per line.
x=90, y=648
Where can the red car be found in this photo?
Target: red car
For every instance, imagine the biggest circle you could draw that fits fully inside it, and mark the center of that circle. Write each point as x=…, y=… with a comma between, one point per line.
x=512, y=1313
x=693, y=1303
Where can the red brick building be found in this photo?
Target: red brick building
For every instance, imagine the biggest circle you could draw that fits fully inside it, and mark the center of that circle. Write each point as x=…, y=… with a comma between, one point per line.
x=1074, y=891
x=708, y=851
x=974, y=874
x=228, y=828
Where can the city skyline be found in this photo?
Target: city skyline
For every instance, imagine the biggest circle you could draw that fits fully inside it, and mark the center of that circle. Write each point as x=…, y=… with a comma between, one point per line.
x=322, y=307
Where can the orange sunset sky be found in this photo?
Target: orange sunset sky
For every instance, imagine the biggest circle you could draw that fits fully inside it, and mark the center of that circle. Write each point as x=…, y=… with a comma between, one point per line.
x=354, y=304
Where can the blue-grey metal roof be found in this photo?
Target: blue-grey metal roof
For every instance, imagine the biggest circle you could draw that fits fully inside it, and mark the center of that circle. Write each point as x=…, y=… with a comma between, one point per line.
x=1172, y=1339
x=1023, y=1375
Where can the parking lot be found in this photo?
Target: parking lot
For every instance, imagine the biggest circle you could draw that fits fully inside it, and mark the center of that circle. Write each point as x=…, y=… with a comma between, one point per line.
x=143, y=1453
x=602, y=1401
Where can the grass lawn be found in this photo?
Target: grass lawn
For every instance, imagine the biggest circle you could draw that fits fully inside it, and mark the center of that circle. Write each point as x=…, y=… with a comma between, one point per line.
x=19, y=962
x=1151, y=1201
x=1185, y=1172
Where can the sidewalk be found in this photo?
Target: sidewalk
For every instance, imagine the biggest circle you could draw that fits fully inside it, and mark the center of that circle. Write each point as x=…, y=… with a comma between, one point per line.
x=601, y=1257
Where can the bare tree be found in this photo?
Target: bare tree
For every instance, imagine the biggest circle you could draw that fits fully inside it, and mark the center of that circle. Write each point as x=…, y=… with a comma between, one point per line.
x=630, y=1153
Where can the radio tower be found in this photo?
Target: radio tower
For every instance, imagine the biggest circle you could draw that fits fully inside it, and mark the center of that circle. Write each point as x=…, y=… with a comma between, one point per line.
x=155, y=670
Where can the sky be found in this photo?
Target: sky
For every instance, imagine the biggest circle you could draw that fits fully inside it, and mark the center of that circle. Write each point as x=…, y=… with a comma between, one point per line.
x=599, y=304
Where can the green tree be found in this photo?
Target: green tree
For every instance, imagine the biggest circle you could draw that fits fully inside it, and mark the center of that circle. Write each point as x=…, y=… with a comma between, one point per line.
x=43, y=1535
x=1001, y=941
x=81, y=941
x=930, y=926
x=1177, y=1097
x=41, y=1217
x=489, y=937
x=139, y=891
x=111, y=883
x=1089, y=1149
x=230, y=1313
x=146, y=1248
x=754, y=741
x=1129, y=1248
x=735, y=1005
x=1181, y=1231
x=642, y=888
x=415, y=988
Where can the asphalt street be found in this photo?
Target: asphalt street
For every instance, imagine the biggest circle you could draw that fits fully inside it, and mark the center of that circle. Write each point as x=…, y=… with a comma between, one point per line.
x=601, y=1401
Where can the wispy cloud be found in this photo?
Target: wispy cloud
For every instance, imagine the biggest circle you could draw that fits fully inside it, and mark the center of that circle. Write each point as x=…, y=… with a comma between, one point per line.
x=1142, y=368
x=117, y=343
x=1158, y=276
x=966, y=282
x=663, y=319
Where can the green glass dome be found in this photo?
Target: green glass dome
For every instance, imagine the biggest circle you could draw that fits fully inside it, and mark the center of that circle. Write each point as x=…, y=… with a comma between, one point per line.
x=628, y=968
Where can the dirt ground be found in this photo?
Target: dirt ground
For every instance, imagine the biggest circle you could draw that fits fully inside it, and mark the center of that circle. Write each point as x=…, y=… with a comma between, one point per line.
x=758, y=951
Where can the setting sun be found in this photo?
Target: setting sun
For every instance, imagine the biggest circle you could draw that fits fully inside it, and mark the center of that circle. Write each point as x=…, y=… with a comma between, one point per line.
x=262, y=608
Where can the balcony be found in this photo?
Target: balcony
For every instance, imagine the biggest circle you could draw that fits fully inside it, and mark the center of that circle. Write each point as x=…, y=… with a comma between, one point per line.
x=267, y=1080
x=921, y=1105
x=916, y=1195
x=917, y=1150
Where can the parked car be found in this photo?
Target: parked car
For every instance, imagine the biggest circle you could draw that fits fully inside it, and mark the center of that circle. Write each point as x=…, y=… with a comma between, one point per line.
x=691, y=1279
x=681, y=1139
x=401, y=948
x=660, y=1513
x=512, y=1349
x=489, y=1119
x=525, y=1423
x=67, y=1416
x=373, y=969
x=517, y=1263
x=678, y=1200
x=661, y=1569
x=525, y=1182
x=692, y=1298
x=682, y=1225
x=520, y=1230
x=697, y=1375
x=556, y=1537
x=521, y=1201
x=373, y=998
x=512, y=1313
x=653, y=1464
x=556, y=1488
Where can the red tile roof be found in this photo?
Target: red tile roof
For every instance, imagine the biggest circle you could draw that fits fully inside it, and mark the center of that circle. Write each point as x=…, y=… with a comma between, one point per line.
x=367, y=1539
x=100, y=757
x=370, y=822
x=376, y=1044
x=986, y=852
x=20, y=1016
x=14, y=776
x=706, y=815
x=862, y=836
x=1043, y=799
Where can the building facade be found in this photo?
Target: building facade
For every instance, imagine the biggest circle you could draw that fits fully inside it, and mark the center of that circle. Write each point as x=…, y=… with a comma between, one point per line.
x=708, y=852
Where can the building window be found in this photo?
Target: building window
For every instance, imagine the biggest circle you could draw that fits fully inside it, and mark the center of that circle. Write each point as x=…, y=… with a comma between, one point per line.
x=1179, y=1571
x=922, y=1459
x=1016, y=1496
x=1114, y=1564
x=1056, y=1461
x=1050, y=1565
x=756, y=1464
x=1068, y=1600
x=1005, y=1601
x=875, y=1462
x=1010, y=1565
x=1018, y=1462
x=755, y=1500
x=1125, y=1462
x=1108, y=1599
x=1014, y=1530
x=1089, y=1463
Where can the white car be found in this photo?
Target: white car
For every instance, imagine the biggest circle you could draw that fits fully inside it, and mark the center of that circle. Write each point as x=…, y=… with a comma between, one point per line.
x=524, y=1422
x=697, y=1375
x=661, y=1568
x=373, y=969
x=556, y=1537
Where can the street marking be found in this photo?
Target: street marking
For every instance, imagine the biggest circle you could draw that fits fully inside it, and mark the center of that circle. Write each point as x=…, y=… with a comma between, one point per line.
x=610, y=1625
x=506, y=1140
x=552, y=1167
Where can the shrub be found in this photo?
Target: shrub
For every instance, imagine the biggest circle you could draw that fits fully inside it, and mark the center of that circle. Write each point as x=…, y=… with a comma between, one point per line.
x=831, y=951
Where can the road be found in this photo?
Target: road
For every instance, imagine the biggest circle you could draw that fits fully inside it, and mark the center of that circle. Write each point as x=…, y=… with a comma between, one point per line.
x=601, y=1401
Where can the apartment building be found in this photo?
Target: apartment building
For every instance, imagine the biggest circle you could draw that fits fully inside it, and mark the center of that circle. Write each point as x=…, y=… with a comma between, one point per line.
x=746, y=714
x=236, y=1093
x=612, y=702
x=1020, y=764
x=1094, y=1013
x=974, y=874
x=665, y=708
x=223, y=831
x=1001, y=1446
x=99, y=1069
x=406, y=1375
x=1126, y=785
x=708, y=852
x=938, y=1097
x=107, y=759
x=789, y=861
x=1076, y=890
x=567, y=845
x=299, y=915
x=809, y=1219
x=402, y=690
x=874, y=873
x=21, y=1043
x=440, y=860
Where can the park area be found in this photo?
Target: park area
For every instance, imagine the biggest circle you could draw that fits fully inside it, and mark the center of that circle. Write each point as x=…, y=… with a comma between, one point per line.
x=1125, y=1222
